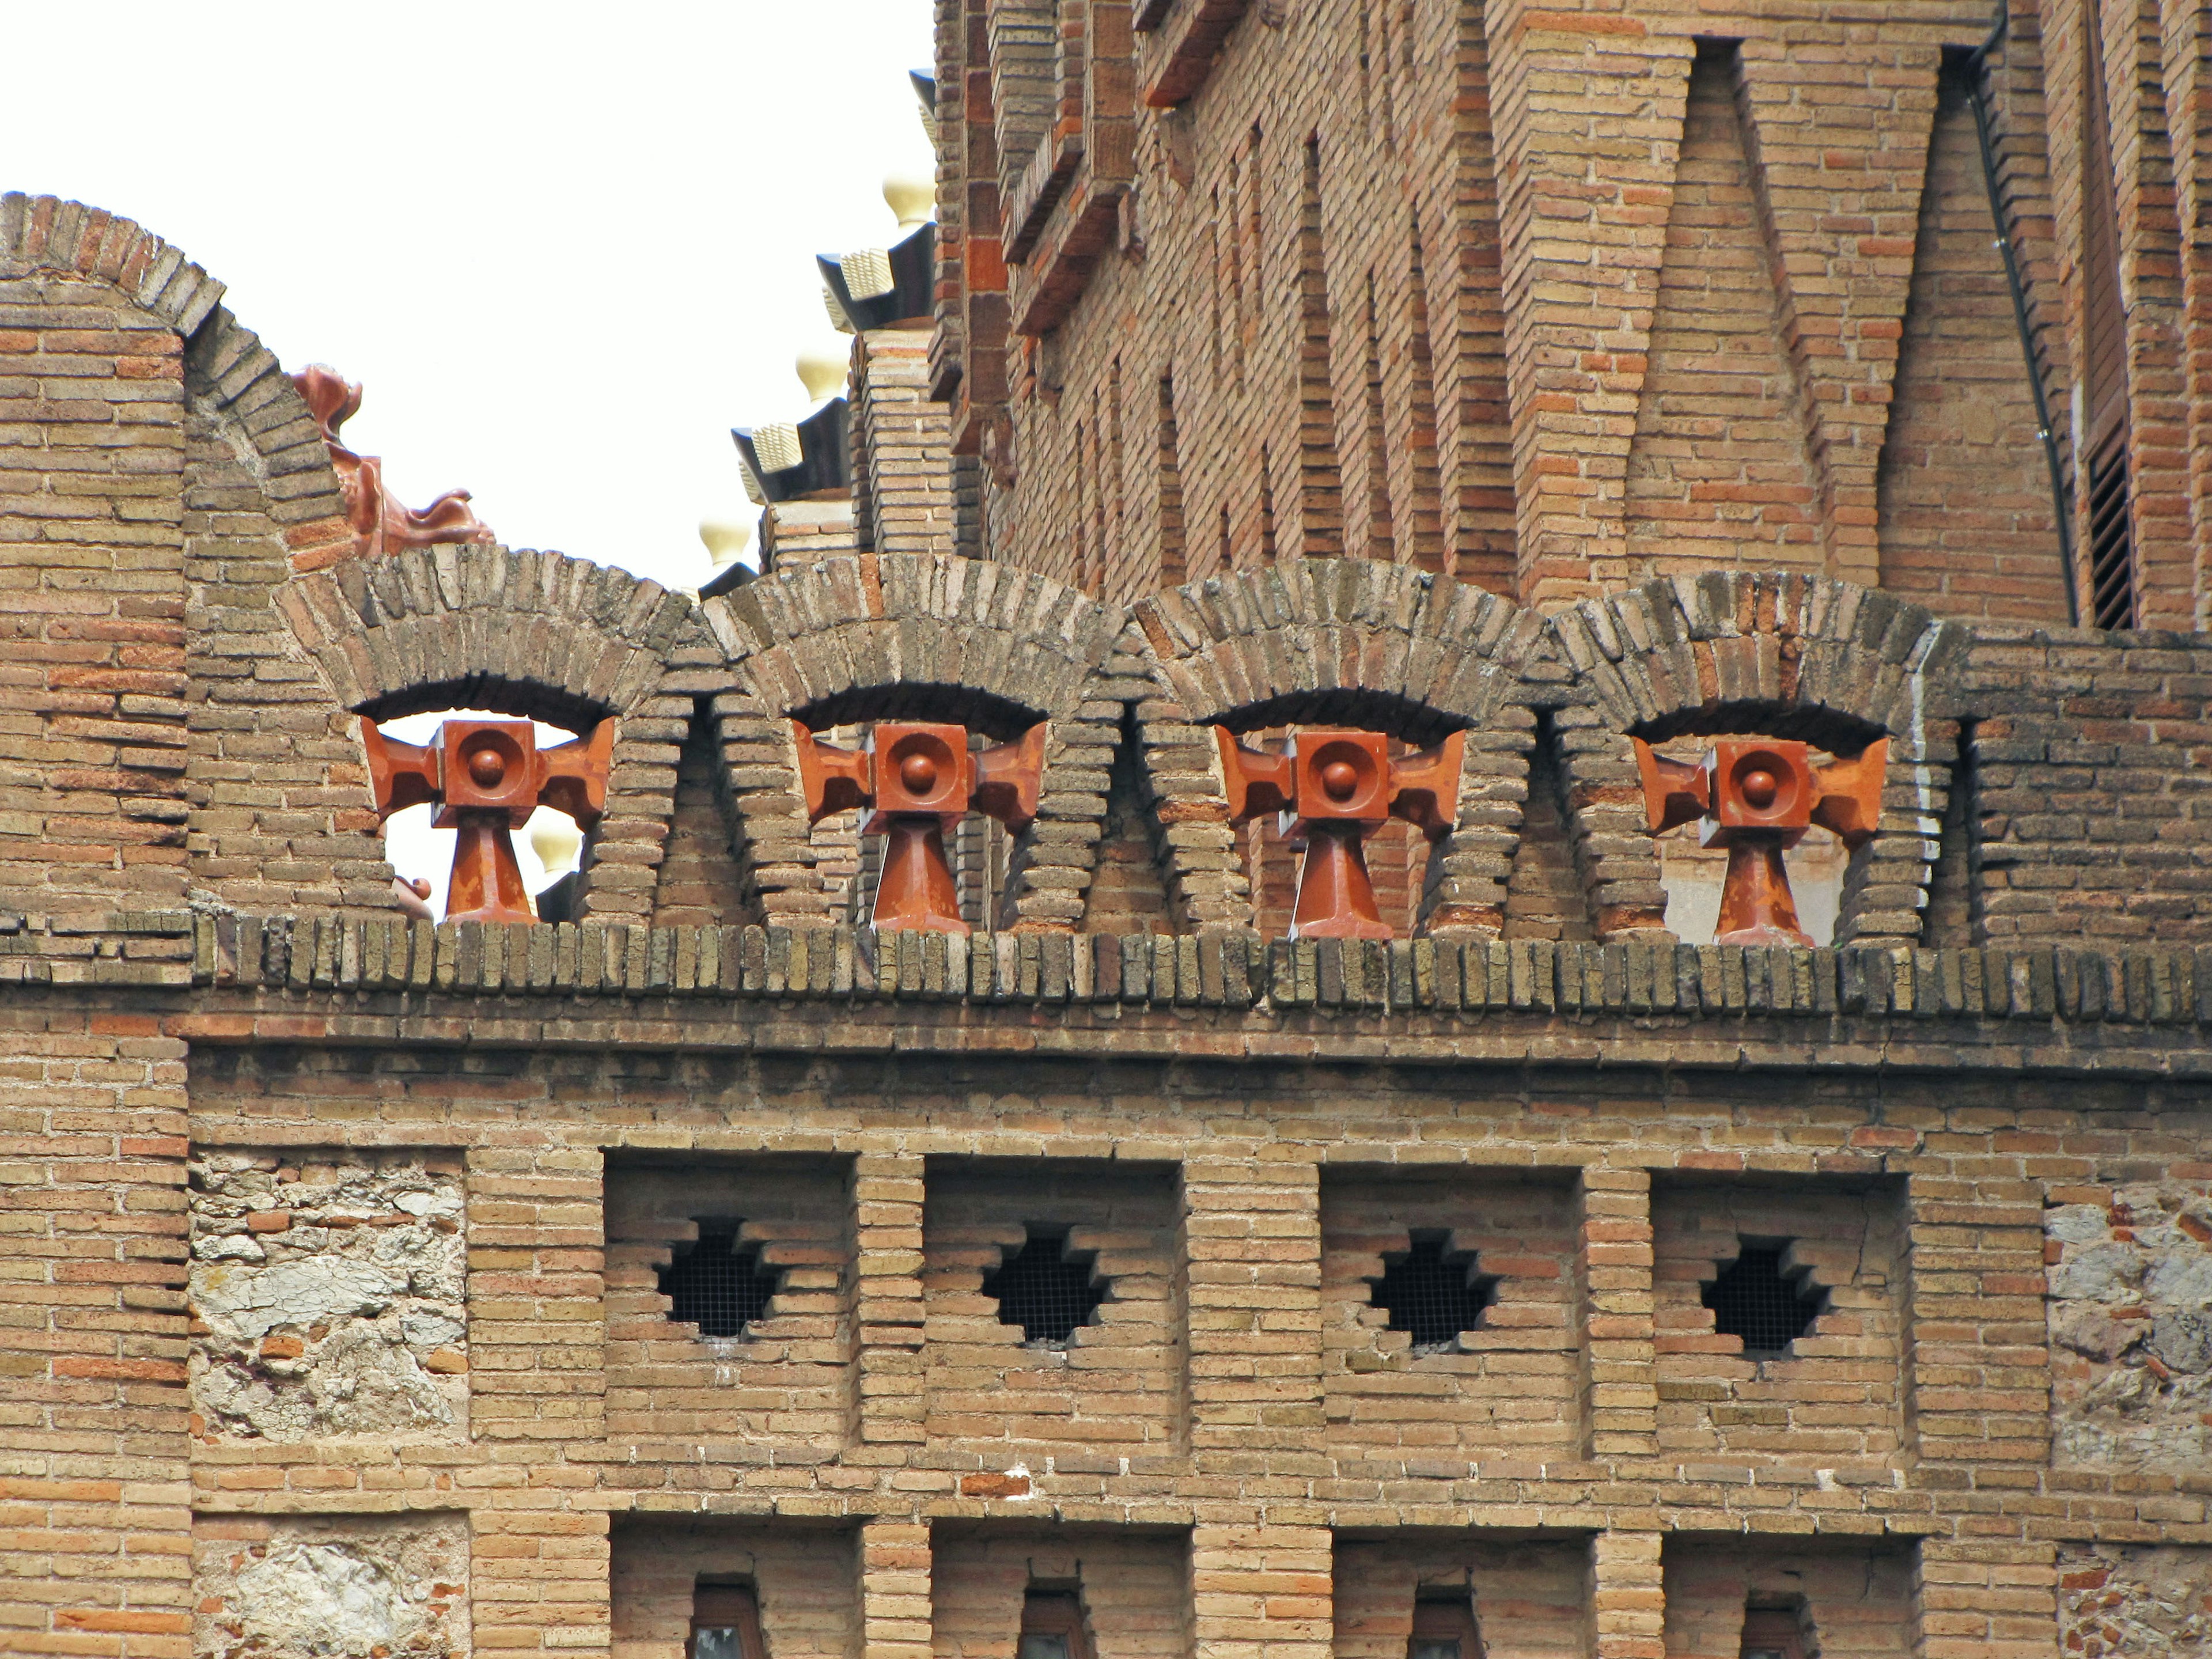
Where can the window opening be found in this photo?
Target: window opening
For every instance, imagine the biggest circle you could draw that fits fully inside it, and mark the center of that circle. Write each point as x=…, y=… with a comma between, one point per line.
x=1432, y=1292
x=725, y=1623
x=1052, y=1626
x=1771, y=1633
x=549, y=848
x=1754, y=1298
x=718, y=1284
x=1443, y=1628
x=1046, y=1289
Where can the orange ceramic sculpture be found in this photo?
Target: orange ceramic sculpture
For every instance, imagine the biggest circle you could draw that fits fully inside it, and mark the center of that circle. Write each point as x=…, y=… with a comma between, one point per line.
x=486, y=777
x=379, y=524
x=1333, y=789
x=1757, y=797
x=920, y=780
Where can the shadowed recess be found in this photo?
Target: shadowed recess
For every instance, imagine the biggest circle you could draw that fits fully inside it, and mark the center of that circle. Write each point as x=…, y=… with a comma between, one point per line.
x=717, y=1284
x=1046, y=1289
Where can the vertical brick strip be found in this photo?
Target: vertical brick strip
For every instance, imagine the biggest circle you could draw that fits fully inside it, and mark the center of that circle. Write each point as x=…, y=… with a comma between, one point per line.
x=1584, y=243
x=1261, y=1591
x=92, y=443
x=1254, y=1233
x=1979, y=1366
x=1984, y=1600
x=1621, y=1401
x=895, y=1591
x=537, y=1333
x=887, y=1194
x=1628, y=1601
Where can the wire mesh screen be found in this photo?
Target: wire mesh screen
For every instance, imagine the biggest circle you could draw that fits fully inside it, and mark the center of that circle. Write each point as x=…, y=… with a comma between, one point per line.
x=1046, y=1288
x=718, y=1284
x=1753, y=1299
x=1431, y=1292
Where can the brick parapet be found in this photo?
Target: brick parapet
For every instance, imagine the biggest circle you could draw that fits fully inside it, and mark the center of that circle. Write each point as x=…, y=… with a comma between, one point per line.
x=2051, y=1007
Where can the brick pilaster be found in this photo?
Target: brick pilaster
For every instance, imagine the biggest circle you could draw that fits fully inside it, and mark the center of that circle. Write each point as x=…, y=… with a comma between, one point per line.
x=895, y=1591
x=1253, y=1232
x=1621, y=1398
x=1627, y=1599
x=92, y=1346
x=1978, y=1366
x=891, y=1399
x=1985, y=1599
x=1261, y=1591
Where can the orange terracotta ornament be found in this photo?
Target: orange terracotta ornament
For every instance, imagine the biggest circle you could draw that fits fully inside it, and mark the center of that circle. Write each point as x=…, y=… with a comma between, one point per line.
x=1333, y=788
x=1757, y=797
x=379, y=524
x=486, y=777
x=921, y=779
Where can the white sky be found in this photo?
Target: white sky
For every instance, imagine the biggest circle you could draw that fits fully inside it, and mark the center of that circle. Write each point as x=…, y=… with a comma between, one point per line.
x=565, y=248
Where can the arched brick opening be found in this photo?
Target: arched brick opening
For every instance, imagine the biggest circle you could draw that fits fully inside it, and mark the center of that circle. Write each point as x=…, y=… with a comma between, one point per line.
x=1787, y=655
x=927, y=637
x=522, y=633
x=1340, y=642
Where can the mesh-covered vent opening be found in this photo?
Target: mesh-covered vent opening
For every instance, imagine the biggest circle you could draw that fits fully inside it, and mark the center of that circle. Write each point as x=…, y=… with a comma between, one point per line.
x=1432, y=1292
x=717, y=1284
x=1753, y=1299
x=1046, y=1289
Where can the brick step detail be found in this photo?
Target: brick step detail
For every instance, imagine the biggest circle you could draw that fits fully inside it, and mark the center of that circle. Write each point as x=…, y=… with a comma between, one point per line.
x=1232, y=970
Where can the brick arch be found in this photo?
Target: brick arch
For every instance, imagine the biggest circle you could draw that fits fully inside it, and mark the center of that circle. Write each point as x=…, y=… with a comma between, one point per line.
x=225, y=365
x=240, y=485
x=1792, y=655
x=527, y=633
x=1339, y=640
x=936, y=637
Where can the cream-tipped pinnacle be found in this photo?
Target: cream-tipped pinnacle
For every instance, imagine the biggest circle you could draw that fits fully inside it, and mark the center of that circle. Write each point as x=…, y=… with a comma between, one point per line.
x=822, y=369
x=558, y=841
x=913, y=198
x=726, y=539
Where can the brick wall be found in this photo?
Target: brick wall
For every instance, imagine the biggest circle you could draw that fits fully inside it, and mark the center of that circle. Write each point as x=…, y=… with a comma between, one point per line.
x=1842, y=1599
x=1509, y=1387
x=1836, y=1395
x=1735, y=326
x=1528, y=1595
x=804, y=1580
x=1133, y=1587
x=1984, y=1152
x=786, y=1382
x=1115, y=1388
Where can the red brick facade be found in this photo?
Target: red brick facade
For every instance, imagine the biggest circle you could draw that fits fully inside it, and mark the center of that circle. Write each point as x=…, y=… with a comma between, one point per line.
x=1553, y=377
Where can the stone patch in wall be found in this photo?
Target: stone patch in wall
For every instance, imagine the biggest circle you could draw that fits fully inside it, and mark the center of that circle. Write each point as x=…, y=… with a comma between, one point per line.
x=330, y=1587
x=2134, y=1600
x=326, y=1292
x=2129, y=1274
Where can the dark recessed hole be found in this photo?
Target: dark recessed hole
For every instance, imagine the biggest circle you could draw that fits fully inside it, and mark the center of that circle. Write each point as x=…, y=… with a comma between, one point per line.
x=1431, y=1292
x=717, y=1284
x=1753, y=1299
x=1046, y=1288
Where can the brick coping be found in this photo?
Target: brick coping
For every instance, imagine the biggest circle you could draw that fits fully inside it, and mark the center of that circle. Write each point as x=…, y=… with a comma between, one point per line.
x=1233, y=972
